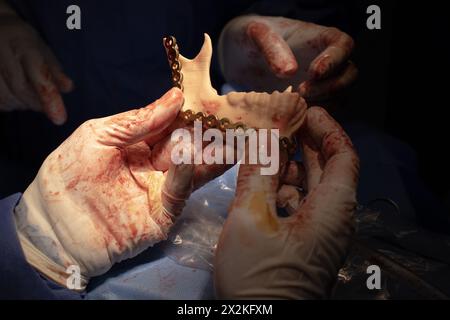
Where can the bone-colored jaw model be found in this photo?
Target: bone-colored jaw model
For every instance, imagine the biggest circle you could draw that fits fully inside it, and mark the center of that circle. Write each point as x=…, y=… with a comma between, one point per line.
x=282, y=110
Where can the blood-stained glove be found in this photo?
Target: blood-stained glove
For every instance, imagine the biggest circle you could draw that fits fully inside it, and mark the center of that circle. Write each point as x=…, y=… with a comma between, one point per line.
x=98, y=199
x=270, y=53
x=30, y=76
x=261, y=255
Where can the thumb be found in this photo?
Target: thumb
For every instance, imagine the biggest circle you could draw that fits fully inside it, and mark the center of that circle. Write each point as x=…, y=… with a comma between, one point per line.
x=136, y=125
x=274, y=48
x=255, y=201
x=256, y=194
x=177, y=188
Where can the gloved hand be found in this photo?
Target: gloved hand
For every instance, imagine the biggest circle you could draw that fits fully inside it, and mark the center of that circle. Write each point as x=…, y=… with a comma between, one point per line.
x=98, y=199
x=275, y=52
x=261, y=255
x=30, y=75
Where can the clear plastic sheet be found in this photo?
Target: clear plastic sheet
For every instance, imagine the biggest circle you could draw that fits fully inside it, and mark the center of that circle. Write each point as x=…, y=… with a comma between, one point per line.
x=194, y=237
x=414, y=263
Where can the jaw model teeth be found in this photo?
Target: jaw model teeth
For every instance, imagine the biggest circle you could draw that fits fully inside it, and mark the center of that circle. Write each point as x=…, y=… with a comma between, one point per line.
x=281, y=110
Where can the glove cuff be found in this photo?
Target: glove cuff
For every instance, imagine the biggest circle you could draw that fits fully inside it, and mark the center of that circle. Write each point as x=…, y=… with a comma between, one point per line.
x=66, y=277
x=42, y=248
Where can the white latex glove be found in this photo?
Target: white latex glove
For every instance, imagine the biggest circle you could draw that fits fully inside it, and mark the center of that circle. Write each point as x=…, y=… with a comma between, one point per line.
x=98, y=199
x=31, y=77
x=263, y=256
x=271, y=53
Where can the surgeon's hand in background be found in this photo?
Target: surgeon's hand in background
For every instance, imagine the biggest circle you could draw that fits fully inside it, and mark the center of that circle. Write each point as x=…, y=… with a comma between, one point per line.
x=275, y=52
x=31, y=77
x=98, y=198
x=261, y=255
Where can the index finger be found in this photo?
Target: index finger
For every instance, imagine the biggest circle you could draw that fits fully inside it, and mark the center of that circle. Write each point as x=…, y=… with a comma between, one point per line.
x=338, y=47
x=275, y=49
x=341, y=160
x=41, y=79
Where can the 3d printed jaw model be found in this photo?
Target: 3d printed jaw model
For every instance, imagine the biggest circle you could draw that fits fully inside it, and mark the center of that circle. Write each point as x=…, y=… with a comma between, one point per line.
x=281, y=110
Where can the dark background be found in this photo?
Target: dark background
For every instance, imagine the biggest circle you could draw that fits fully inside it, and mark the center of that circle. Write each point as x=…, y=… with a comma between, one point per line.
x=403, y=83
